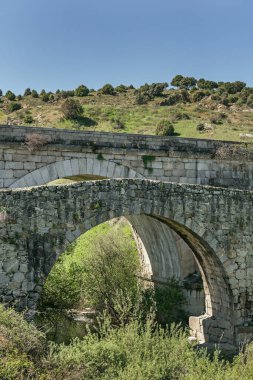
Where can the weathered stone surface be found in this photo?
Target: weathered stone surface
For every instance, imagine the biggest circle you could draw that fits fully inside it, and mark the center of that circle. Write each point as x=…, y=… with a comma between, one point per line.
x=214, y=222
x=111, y=155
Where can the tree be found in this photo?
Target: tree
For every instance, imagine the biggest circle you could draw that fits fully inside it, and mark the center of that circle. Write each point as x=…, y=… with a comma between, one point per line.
x=165, y=128
x=206, y=84
x=176, y=81
x=34, y=94
x=121, y=88
x=183, y=82
x=27, y=92
x=1, y=93
x=45, y=97
x=71, y=109
x=81, y=91
x=231, y=87
x=14, y=107
x=10, y=95
x=107, y=89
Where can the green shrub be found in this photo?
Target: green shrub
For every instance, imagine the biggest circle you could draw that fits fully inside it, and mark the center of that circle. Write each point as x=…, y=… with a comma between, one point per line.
x=121, y=88
x=198, y=96
x=177, y=116
x=67, y=94
x=183, y=82
x=82, y=91
x=250, y=101
x=107, y=89
x=12, y=107
x=45, y=97
x=34, y=94
x=71, y=109
x=10, y=95
x=27, y=92
x=165, y=128
x=200, y=127
x=28, y=119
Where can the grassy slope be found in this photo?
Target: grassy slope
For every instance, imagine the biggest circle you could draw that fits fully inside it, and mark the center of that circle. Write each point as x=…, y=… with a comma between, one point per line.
x=141, y=119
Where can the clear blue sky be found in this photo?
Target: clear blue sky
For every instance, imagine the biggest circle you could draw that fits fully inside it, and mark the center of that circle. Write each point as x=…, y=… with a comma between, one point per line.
x=63, y=43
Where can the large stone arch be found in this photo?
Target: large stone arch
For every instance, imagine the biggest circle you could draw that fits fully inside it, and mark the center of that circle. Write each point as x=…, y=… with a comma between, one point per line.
x=166, y=243
x=47, y=219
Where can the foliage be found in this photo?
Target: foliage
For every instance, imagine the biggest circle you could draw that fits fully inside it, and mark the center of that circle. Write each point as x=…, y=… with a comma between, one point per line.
x=82, y=276
x=10, y=95
x=183, y=82
x=12, y=107
x=27, y=92
x=107, y=89
x=34, y=94
x=148, y=92
x=204, y=84
x=121, y=88
x=71, y=109
x=231, y=87
x=45, y=97
x=81, y=91
x=199, y=95
x=165, y=128
x=28, y=119
x=169, y=299
x=21, y=347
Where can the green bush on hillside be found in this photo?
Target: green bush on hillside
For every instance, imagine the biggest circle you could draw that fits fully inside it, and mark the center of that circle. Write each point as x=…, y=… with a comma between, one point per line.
x=12, y=107
x=71, y=109
x=165, y=128
x=82, y=91
x=10, y=95
x=107, y=89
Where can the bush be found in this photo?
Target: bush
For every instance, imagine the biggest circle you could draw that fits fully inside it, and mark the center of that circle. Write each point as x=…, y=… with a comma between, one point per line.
x=118, y=124
x=10, y=95
x=12, y=107
x=45, y=97
x=28, y=119
x=198, y=96
x=183, y=82
x=71, y=109
x=81, y=91
x=34, y=94
x=27, y=92
x=21, y=347
x=141, y=98
x=177, y=116
x=250, y=101
x=207, y=84
x=67, y=94
x=107, y=89
x=200, y=127
x=165, y=128
x=121, y=88
x=149, y=91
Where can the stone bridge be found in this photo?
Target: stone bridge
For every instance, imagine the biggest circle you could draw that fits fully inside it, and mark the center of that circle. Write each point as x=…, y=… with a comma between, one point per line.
x=115, y=155
x=39, y=223
x=178, y=228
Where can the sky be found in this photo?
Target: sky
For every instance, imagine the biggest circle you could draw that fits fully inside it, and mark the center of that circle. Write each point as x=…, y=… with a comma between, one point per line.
x=51, y=44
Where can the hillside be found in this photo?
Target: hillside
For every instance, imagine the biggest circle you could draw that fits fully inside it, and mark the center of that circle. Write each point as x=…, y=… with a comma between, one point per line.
x=214, y=113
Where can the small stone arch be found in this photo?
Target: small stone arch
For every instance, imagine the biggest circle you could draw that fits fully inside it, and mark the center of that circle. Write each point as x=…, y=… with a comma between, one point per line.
x=74, y=167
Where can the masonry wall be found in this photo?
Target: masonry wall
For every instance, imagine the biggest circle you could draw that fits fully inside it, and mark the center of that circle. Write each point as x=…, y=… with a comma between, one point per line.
x=165, y=158
x=38, y=223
